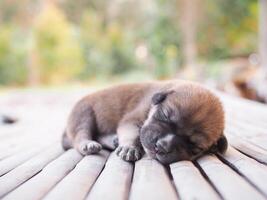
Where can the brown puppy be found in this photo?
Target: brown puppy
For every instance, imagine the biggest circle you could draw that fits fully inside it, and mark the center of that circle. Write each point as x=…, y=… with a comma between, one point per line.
x=171, y=121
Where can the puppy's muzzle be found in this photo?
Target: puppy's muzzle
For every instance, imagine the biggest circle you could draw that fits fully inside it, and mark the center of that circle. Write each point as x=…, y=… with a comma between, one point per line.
x=165, y=144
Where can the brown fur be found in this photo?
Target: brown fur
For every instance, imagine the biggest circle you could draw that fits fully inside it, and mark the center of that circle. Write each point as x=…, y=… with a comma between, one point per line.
x=127, y=112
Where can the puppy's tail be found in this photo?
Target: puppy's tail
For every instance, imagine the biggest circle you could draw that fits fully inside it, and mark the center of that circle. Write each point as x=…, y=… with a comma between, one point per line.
x=66, y=143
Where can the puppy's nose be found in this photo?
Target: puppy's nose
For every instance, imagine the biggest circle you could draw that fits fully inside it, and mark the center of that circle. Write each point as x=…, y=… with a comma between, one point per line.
x=165, y=144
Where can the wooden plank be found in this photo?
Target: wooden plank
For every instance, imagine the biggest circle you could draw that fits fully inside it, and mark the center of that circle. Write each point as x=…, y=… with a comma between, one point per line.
x=82, y=177
x=257, y=135
x=16, y=137
x=28, y=169
x=40, y=184
x=151, y=181
x=115, y=180
x=228, y=183
x=10, y=151
x=259, y=141
x=249, y=149
x=10, y=131
x=240, y=116
x=243, y=110
x=254, y=171
x=9, y=148
x=257, y=111
x=11, y=162
x=18, y=147
x=242, y=104
x=247, y=128
x=189, y=182
x=241, y=131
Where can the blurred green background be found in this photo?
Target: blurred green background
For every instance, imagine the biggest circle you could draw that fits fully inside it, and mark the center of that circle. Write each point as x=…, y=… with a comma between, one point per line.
x=63, y=42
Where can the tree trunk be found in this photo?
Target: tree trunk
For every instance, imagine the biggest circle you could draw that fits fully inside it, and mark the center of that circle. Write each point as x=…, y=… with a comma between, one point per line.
x=263, y=33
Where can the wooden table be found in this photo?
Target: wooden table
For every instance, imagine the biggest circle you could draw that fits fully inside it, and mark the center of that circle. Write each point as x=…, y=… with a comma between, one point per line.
x=34, y=166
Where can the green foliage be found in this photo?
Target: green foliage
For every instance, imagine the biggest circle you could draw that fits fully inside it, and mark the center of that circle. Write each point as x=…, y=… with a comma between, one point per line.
x=59, y=55
x=98, y=39
x=12, y=57
x=231, y=28
x=164, y=43
x=108, y=49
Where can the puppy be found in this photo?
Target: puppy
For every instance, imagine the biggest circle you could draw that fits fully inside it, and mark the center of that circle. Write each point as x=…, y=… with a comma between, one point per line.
x=170, y=121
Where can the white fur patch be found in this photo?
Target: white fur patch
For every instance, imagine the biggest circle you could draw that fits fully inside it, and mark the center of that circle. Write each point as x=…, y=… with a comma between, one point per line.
x=150, y=115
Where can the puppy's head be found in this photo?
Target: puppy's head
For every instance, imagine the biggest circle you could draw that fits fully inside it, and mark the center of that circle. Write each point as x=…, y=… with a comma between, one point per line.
x=182, y=124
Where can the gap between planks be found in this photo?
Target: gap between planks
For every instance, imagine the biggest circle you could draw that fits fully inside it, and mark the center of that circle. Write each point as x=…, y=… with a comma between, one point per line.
x=229, y=184
x=82, y=178
x=22, y=173
x=253, y=171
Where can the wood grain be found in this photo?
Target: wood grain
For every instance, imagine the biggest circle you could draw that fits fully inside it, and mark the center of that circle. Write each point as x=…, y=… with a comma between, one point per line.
x=228, y=183
x=254, y=171
x=40, y=184
x=115, y=180
x=190, y=183
x=28, y=169
x=151, y=181
x=249, y=149
x=13, y=161
x=82, y=177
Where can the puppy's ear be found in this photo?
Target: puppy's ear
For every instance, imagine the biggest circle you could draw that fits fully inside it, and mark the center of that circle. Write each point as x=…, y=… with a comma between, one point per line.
x=220, y=146
x=159, y=97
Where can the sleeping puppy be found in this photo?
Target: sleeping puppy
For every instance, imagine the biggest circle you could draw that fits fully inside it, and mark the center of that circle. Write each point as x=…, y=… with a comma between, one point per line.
x=170, y=121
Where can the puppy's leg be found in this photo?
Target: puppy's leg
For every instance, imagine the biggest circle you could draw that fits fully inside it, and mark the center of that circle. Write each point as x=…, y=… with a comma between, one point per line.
x=129, y=148
x=81, y=126
x=85, y=145
x=66, y=143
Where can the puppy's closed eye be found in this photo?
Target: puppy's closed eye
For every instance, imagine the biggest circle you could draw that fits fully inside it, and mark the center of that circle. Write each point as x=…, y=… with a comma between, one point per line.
x=159, y=97
x=162, y=115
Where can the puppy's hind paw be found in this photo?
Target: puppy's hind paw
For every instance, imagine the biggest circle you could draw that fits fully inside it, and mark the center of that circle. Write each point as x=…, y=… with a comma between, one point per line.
x=129, y=153
x=88, y=147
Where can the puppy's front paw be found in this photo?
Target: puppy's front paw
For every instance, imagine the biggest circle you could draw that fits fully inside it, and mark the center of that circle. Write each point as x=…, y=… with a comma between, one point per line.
x=129, y=153
x=89, y=147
